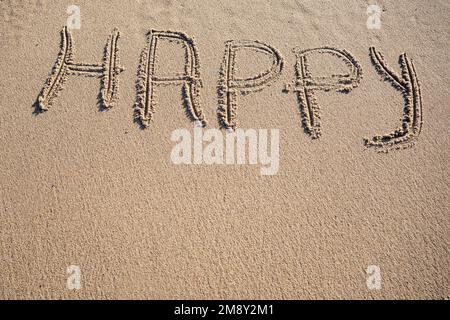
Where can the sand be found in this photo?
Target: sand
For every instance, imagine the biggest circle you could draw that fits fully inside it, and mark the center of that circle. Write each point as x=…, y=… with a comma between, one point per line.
x=86, y=177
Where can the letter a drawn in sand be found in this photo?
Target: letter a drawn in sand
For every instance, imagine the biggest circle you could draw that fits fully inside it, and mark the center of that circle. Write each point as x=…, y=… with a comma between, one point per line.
x=409, y=86
x=147, y=80
x=306, y=85
x=229, y=86
x=108, y=71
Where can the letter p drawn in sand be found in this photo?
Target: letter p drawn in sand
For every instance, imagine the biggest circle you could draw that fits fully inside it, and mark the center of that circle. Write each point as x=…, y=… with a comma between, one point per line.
x=306, y=85
x=229, y=86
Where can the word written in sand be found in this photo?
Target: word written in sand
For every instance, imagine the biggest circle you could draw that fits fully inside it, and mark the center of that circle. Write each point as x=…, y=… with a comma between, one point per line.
x=229, y=86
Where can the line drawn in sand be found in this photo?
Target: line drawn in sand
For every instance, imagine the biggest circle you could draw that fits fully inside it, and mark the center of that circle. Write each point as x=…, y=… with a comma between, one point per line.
x=306, y=85
x=408, y=85
x=229, y=86
x=147, y=80
x=108, y=71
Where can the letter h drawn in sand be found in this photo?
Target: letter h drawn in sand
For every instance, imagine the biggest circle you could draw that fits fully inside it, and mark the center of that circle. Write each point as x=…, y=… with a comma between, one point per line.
x=108, y=71
x=147, y=80
x=409, y=85
x=306, y=85
x=229, y=86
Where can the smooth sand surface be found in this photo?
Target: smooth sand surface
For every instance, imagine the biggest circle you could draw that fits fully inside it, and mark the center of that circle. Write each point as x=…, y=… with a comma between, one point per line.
x=80, y=186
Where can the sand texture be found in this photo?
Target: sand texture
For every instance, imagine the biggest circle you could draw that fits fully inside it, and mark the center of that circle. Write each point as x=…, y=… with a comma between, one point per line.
x=87, y=178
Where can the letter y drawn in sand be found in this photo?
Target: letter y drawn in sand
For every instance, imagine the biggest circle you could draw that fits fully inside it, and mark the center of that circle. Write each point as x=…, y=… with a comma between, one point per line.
x=409, y=86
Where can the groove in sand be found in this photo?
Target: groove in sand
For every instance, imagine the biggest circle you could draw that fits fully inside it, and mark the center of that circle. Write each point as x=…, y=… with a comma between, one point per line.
x=64, y=66
x=190, y=80
x=229, y=85
x=306, y=85
x=408, y=84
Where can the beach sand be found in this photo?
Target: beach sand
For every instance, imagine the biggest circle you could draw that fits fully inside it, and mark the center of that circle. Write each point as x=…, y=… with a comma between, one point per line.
x=89, y=187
